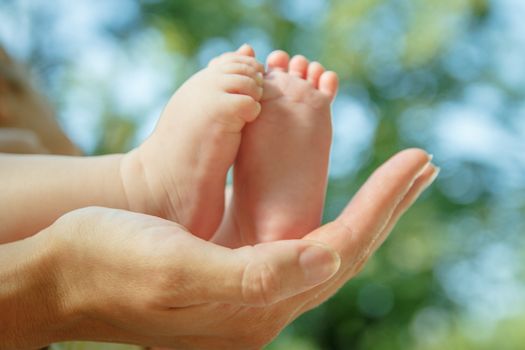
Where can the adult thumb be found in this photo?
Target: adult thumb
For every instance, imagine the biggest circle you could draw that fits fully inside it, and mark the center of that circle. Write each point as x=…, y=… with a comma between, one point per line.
x=259, y=275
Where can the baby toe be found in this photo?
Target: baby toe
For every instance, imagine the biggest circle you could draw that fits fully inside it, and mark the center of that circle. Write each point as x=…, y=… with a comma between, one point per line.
x=314, y=72
x=299, y=66
x=243, y=69
x=246, y=50
x=278, y=60
x=242, y=85
x=250, y=61
x=243, y=107
x=234, y=58
x=329, y=83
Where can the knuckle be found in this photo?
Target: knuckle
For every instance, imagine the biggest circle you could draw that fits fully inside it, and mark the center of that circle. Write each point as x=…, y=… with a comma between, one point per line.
x=366, y=247
x=260, y=284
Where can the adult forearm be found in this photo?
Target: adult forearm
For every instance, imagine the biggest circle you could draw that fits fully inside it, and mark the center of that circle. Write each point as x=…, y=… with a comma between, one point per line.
x=36, y=190
x=33, y=310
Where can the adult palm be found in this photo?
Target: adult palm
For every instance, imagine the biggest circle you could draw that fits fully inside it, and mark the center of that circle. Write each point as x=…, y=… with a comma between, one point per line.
x=113, y=275
x=355, y=235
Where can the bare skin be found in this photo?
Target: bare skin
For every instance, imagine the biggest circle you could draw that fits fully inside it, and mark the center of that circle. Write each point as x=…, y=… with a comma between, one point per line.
x=280, y=173
x=168, y=285
x=164, y=293
x=178, y=173
x=292, y=139
x=184, y=163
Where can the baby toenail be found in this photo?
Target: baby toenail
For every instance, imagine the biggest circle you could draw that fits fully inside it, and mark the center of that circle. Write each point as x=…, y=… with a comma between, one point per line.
x=259, y=79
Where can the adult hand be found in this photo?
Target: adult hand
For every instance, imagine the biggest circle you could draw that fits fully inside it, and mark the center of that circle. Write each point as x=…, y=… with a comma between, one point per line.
x=369, y=218
x=356, y=234
x=117, y=276
x=111, y=275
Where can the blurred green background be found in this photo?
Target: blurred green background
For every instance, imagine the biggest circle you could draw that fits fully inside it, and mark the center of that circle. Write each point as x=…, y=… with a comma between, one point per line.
x=445, y=75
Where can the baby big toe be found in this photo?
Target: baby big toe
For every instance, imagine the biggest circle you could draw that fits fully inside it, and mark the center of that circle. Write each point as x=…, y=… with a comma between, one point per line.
x=278, y=60
x=246, y=50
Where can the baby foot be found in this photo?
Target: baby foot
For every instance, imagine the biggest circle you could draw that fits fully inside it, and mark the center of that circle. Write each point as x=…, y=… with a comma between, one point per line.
x=280, y=173
x=182, y=166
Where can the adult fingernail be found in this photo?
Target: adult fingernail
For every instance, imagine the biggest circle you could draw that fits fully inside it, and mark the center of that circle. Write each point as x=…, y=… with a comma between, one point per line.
x=434, y=175
x=426, y=166
x=318, y=264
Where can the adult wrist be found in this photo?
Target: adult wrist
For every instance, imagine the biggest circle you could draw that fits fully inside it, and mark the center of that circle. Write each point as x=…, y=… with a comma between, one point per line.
x=36, y=307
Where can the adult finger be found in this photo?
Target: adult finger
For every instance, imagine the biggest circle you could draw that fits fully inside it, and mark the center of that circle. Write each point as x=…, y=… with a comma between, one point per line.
x=353, y=234
x=424, y=180
x=359, y=225
x=349, y=271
